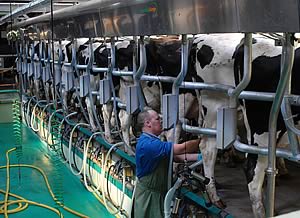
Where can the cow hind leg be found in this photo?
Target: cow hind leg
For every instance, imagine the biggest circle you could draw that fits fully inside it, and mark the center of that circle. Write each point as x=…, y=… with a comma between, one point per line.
x=280, y=165
x=107, y=110
x=255, y=186
x=89, y=105
x=209, y=153
x=125, y=127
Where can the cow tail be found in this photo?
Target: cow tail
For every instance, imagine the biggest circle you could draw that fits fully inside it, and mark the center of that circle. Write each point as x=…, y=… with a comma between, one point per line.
x=246, y=122
x=201, y=112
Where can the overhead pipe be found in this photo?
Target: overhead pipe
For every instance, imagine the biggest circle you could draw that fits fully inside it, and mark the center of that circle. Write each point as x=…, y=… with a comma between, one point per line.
x=69, y=12
x=285, y=74
x=23, y=10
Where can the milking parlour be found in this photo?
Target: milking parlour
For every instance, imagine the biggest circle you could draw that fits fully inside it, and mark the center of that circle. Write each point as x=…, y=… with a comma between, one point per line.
x=149, y=108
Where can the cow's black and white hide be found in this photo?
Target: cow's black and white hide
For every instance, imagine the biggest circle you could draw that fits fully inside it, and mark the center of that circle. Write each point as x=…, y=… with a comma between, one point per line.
x=70, y=100
x=101, y=61
x=163, y=58
x=166, y=54
x=35, y=84
x=215, y=64
x=66, y=97
x=124, y=61
x=264, y=68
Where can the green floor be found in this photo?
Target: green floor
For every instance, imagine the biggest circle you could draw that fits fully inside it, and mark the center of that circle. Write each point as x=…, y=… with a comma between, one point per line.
x=29, y=184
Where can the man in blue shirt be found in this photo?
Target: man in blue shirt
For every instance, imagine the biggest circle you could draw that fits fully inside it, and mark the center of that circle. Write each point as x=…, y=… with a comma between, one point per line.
x=152, y=157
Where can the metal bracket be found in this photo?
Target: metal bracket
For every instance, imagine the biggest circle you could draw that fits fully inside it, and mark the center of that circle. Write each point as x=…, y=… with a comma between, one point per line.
x=37, y=70
x=24, y=67
x=104, y=91
x=67, y=79
x=84, y=83
x=226, y=127
x=132, y=101
x=46, y=73
x=169, y=110
x=30, y=69
x=57, y=74
x=19, y=66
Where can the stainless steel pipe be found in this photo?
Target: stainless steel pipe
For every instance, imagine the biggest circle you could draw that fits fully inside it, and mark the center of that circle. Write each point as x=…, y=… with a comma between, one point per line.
x=271, y=170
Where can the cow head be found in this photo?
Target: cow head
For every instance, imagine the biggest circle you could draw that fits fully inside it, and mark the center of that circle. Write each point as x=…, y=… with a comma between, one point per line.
x=124, y=54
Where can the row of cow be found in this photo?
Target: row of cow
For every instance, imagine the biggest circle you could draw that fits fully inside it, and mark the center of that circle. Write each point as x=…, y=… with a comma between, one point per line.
x=214, y=58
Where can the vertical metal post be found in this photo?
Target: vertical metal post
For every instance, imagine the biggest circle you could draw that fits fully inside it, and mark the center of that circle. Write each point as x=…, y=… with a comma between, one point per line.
x=175, y=91
x=234, y=93
x=287, y=114
x=288, y=53
x=139, y=73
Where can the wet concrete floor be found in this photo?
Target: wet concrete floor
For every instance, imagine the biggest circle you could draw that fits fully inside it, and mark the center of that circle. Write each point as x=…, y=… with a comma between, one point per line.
x=234, y=191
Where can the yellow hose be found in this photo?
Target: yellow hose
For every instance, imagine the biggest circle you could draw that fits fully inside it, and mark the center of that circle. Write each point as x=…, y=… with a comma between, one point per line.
x=7, y=181
x=21, y=207
x=22, y=200
x=48, y=186
x=6, y=202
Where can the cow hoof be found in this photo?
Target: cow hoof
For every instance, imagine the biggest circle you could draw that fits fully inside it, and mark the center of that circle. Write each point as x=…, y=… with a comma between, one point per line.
x=220, y=204
x=110, y=140
x=129, y=151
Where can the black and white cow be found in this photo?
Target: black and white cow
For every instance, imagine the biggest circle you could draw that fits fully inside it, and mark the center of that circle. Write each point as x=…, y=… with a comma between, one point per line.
x=218, y=57
x=124, y=61
x=166, y=54
x=33, y=55
x=264, y=68
x=82, y=58
x=163, y=59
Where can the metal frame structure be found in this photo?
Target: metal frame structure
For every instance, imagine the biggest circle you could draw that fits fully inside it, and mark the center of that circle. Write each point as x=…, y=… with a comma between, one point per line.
x=147, y=17
x=110, y=18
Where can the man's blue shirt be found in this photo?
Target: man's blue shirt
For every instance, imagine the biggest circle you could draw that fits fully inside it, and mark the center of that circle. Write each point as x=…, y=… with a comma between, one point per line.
x=149, y=151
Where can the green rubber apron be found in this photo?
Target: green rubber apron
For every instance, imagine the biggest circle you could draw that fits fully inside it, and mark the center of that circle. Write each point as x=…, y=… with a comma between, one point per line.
x=150, y=193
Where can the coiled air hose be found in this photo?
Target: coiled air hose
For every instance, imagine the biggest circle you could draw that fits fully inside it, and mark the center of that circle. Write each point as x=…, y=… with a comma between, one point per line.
x=33, y=117
x=49, y=124
x=70, y=146
x=6, y=203
x=27, y=112
x=17, y=122
x=85, y=152
x=110, y=210
x=42, y=120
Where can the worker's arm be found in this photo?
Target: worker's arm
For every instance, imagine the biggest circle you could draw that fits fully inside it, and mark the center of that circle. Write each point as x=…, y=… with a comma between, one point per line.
x=191, y=146
x=189, y=157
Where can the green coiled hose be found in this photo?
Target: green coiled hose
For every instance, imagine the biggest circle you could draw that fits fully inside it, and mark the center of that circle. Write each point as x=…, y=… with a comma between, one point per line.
x=17, y=127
